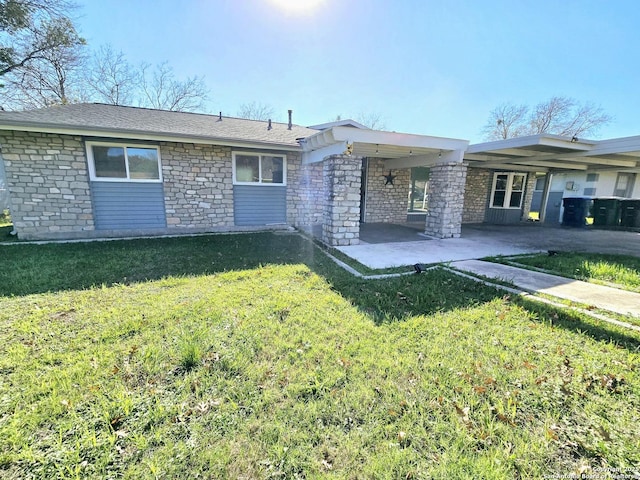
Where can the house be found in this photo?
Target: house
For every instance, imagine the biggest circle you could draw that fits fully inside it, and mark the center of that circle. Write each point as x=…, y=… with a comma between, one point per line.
x=94, y=170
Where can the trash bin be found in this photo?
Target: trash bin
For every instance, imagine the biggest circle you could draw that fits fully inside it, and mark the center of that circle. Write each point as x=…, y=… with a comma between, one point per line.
x=576, y=211
x=630, y=213
x=606, y=212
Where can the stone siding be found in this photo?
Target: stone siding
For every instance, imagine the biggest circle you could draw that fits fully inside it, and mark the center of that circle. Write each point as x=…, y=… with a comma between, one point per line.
x=198, y=186
x=528, y=196
x=386, y=203
x=48, y=184
x=477, y=190
x=304, y=192
x=342, y=177
x=446, y=200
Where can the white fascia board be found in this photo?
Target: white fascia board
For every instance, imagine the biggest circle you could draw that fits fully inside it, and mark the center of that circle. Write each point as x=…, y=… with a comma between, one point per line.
x=532, y=141
x=340, y=123
x=352, y=135
x=512, y=168
x=154, y=137
x=315, y=156
x=617, y=145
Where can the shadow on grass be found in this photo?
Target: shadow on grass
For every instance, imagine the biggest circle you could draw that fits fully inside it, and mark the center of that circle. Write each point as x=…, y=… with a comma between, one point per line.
x=31, y=269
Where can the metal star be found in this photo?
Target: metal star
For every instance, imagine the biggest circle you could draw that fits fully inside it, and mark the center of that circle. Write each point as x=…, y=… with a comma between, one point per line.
x=389, y=178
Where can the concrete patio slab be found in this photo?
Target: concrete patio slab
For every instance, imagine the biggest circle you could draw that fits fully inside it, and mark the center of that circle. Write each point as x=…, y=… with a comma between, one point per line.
x=406, y=246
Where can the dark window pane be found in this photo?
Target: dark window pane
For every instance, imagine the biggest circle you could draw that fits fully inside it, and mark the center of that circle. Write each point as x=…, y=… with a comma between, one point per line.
x=498, y=198
x=247, y=168
x=272, y=169
x=501, y=182
x=109, y=162
x=143, y=163
x=515, y=199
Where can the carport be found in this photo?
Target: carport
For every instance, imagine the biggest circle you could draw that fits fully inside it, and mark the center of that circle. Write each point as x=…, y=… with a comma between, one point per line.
x=550, y=155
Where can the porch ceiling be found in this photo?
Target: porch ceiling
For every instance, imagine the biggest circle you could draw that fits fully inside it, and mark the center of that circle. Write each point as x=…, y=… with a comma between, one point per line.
x=404, y=149
x=555, y=153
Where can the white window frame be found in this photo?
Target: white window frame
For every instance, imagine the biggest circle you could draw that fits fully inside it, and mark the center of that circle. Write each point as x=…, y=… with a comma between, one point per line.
x=260, y=155
x=124, y=146
x=507, y=194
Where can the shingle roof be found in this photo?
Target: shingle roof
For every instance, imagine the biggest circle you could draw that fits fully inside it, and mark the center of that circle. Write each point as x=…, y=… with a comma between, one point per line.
x=111, y=119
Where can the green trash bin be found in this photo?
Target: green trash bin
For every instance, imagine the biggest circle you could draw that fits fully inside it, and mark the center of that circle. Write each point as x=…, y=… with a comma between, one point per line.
x=576, y=211
x=630, y=213
x=606, y=212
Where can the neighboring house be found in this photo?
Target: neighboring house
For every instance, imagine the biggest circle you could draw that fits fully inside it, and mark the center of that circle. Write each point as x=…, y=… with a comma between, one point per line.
x=93, y=170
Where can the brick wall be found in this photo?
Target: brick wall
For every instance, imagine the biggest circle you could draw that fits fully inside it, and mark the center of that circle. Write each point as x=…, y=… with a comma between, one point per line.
x=48, y=184
x=386, y=203
x=476, y=194
x=198, y=185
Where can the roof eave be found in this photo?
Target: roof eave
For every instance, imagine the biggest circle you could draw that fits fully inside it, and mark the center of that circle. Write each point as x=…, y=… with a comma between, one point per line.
x=142, y=135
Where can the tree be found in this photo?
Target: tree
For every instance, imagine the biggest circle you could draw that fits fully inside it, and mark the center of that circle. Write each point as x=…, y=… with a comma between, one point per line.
x=111, y=79
x=41, y=54
x=255, y=111
x=31, y=29
x=558, y=115
x=372, y=120
x=160, y=89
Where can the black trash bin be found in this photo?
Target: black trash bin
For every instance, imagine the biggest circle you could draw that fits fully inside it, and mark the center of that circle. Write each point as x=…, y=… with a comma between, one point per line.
x=576, y=211
x=630, y=213
x=606, y=212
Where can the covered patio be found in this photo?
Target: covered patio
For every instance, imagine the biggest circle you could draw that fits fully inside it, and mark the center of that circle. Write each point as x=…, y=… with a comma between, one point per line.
x=408, y=246
x=366, y=176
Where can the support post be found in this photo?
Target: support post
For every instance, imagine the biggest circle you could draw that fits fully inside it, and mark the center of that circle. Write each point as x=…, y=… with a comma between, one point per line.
x=342, y=181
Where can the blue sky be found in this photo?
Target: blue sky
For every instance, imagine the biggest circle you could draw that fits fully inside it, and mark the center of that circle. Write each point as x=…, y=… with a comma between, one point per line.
x=427, y=67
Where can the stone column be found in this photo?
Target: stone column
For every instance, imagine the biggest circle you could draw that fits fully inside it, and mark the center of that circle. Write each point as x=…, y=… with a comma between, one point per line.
x=341, y=181
x=528, y=196
x=446, y=200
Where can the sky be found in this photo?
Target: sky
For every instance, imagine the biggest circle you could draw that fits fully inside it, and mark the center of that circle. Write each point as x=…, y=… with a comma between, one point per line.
x=425, y=67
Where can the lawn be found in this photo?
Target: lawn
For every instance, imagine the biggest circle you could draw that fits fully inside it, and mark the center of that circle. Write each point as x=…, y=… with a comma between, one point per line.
x=622, y=270
x=254, y=356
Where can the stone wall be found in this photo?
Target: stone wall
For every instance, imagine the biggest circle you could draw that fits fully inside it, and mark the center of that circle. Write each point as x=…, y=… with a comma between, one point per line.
x=342, y=176
x=528, y=196
x=386, y=203
x=305, y=197
x=198, y=185
x=48, y=184
x=477, y=190
x=446, y=200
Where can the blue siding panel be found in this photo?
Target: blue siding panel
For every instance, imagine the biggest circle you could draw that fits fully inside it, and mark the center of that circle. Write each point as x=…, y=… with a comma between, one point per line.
x=128, y=205
x=259, y=204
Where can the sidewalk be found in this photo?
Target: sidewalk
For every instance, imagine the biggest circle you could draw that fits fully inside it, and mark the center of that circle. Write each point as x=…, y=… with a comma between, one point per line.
x=599, y=296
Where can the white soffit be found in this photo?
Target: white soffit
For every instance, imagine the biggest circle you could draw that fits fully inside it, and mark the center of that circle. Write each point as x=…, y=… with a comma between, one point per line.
x=552, y=152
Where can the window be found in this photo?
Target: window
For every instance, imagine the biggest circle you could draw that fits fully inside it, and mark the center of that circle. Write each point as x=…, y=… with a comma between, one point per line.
x=118, y=162
x=259, y=168
x=508, y=190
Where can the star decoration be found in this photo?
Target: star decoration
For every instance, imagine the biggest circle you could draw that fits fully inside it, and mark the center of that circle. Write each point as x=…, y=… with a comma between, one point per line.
x=389, y=178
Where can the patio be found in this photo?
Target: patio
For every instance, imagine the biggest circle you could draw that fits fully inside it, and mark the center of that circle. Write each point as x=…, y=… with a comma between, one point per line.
x=391, y=245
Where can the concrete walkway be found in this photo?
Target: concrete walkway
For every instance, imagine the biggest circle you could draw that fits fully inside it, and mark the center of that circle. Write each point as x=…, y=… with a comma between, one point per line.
x=599, y=296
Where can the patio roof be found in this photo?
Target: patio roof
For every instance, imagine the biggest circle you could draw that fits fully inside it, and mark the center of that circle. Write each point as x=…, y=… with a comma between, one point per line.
x=546, y=152
x=401, y=150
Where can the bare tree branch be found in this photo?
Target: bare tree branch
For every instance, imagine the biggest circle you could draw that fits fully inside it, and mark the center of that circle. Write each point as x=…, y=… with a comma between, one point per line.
x=506, y=121
x=111, y=78
x=161, y=90
x=255, y=111
x=559, y=115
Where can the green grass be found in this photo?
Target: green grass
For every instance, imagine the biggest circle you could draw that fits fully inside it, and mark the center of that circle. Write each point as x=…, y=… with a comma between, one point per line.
x=253, y=356
x=622, y=270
